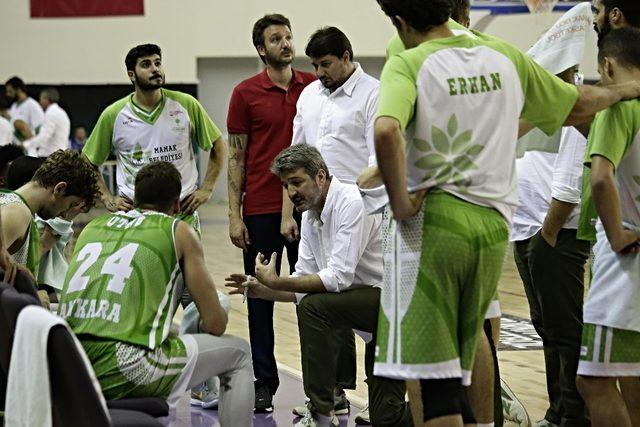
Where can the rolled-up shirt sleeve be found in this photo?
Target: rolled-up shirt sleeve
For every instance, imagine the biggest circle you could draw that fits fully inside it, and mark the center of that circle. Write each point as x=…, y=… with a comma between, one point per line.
x=568, y=167
x=346, y=249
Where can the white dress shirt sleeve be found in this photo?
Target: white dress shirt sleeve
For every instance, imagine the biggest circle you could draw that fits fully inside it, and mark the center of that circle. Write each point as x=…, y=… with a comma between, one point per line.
x=568, y=167
x=371, y=110
x=43, y=137
x=347, y=247
x=298, y=129
x=306, y=263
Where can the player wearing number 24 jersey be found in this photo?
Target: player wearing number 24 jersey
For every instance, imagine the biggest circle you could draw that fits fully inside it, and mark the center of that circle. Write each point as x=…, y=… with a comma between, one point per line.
x=121, y=292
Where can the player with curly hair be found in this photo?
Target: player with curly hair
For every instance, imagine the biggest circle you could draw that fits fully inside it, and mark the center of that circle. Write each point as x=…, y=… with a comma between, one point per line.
x=65, y=180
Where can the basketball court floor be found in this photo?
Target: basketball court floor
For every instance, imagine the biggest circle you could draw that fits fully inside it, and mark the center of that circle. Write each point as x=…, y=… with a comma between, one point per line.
x=522, y=363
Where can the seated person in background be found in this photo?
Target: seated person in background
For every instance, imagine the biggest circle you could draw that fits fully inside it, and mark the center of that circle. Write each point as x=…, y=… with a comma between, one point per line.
x=79, y=138
x=8, y=153
x=65, y=180
x=121, y=293
x=335, y=284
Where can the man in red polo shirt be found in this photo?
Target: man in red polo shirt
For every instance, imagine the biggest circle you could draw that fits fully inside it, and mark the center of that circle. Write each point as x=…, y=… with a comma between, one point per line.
x=260, y=126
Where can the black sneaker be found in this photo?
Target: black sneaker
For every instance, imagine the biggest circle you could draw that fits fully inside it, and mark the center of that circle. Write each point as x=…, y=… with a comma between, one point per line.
x=264, y=401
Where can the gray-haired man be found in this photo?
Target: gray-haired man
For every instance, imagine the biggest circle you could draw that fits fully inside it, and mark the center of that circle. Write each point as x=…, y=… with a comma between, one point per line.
x=54, y=133
x=336, y=283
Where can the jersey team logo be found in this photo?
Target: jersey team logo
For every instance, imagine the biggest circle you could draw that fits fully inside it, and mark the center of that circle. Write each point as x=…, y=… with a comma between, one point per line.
x=449, y=155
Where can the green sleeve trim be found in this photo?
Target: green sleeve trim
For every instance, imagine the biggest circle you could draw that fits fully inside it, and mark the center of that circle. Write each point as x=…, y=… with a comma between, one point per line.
x=612, y=133
x=203, y=131
x=99, y=143
x=398, y=92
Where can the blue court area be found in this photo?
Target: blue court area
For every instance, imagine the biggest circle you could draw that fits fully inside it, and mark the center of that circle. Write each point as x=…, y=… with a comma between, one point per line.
x=497, y=7
x=290, y=394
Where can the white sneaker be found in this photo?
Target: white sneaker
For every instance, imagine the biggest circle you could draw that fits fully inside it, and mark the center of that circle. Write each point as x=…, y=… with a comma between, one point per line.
x=210, y=400
x=197, y=394
x=362, y=418
x=512, y=409
x=311, y=420
x=342, y=406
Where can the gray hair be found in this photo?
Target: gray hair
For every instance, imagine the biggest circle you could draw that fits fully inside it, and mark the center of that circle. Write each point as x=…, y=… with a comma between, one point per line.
x=51, y=94
x=299, y=156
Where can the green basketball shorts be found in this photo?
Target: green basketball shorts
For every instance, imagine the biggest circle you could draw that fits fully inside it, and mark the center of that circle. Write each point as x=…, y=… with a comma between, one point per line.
x=441, y=271
x=609, y=352
x=126, y=370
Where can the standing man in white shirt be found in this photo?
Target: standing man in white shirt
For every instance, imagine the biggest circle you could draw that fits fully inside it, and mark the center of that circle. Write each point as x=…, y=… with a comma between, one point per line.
x=26, y=114
x=335, y=284
x=55, y=130
x=550, y=258
x=6, y=130
x=335, y=114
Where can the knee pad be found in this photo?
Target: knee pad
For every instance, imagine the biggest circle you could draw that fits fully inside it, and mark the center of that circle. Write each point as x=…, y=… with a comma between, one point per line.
x=441, y=397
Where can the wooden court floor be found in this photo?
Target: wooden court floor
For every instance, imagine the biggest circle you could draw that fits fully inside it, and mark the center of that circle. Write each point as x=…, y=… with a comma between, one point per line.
x=523, y=370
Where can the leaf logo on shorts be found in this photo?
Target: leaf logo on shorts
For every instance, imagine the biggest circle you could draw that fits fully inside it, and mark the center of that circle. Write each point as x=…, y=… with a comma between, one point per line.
x=449, y=155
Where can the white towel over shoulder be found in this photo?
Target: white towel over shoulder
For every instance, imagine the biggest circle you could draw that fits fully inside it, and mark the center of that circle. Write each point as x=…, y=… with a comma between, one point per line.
x=28, y=400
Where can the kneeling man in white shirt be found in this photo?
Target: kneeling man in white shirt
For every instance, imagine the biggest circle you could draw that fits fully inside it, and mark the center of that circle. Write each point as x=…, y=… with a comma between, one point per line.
x=336, y=283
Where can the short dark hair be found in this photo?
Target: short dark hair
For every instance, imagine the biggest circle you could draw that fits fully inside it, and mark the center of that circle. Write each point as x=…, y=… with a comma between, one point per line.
x=22, y=170
x=9, y=153
x=419, y=14
x=69, y=166
x=157, y=184
x=328, y=41
x=623, y=45
x=51, y=94
x=459, y=9
x=16, y=83
x=262, y=24
x=629, y=8
x=141, y=51
x=5, y=103
x=299, y=156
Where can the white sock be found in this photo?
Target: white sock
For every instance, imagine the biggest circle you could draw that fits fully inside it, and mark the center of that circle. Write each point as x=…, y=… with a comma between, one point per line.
x=485, y=425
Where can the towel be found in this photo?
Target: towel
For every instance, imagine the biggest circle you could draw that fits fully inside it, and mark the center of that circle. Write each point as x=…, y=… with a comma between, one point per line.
x=28, y=401
x=53, y=265
x=562, y=47
x=374, y=199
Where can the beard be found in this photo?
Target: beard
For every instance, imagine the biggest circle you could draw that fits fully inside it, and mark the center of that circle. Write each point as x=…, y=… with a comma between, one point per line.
x=277, y=61
x=155, y=82
x=604, y=29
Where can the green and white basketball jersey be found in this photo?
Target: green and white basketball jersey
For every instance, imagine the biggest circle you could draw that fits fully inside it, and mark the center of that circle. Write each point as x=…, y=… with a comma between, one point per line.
x=459, y=99
x=615, y=135
x=121, y=283
x=138, y=137
x=29, y=253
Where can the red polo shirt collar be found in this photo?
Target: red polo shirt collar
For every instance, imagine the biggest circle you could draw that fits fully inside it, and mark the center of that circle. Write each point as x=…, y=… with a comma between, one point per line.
x=267, y=83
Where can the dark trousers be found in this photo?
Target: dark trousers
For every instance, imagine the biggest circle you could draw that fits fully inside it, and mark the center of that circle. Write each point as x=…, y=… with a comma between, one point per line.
x=264, y=231
x=553, y=279
x=498, y=417
x=319, y=316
